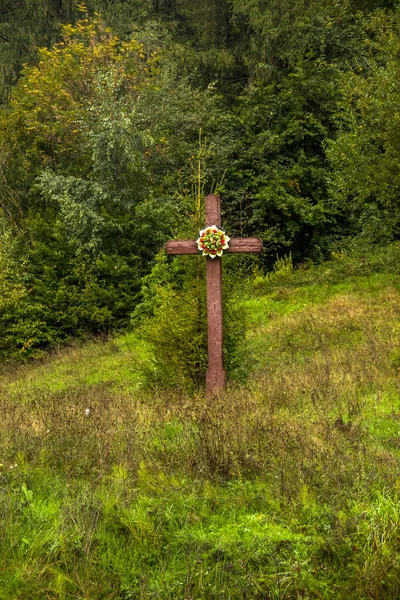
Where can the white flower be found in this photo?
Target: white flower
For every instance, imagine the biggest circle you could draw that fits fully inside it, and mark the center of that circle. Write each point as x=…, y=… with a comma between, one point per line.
x=87, y=412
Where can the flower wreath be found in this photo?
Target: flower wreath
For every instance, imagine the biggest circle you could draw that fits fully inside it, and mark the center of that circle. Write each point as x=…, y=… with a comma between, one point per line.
x=212, y=241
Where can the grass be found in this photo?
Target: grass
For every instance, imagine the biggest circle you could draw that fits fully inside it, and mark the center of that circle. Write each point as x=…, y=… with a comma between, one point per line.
x=285, y=487
x=117, y=362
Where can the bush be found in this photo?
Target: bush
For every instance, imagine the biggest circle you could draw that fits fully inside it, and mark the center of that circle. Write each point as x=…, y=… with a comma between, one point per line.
x=173, y=319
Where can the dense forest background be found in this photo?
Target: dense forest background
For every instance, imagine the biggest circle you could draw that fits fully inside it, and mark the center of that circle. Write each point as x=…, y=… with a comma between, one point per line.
x=118, y=116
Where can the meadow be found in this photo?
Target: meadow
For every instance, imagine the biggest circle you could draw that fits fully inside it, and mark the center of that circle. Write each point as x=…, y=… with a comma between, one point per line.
x=284, y=487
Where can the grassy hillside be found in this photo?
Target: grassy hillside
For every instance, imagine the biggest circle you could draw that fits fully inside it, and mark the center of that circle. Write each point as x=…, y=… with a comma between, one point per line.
x=285, y=487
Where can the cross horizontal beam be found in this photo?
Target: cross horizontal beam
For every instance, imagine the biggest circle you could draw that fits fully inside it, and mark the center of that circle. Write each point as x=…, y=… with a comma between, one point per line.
x=235, y=245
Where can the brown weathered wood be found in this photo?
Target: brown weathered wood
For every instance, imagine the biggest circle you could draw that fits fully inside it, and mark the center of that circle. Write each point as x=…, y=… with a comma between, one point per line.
x=236, y=245
x=213, y=210
x=252, y=245
x=215, y=377
x=181, y=247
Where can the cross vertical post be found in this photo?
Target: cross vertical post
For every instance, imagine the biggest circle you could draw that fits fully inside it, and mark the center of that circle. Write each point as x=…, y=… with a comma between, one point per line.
x=216, y=376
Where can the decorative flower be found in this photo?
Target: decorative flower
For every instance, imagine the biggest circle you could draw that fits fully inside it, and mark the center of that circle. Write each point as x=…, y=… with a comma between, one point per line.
x=212, y=241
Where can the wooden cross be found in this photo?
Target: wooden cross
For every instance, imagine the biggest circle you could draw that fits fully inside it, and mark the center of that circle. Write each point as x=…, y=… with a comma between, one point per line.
x=216, y=377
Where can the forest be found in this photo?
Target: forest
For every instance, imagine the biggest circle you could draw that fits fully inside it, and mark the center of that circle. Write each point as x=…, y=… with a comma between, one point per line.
x=117, y=116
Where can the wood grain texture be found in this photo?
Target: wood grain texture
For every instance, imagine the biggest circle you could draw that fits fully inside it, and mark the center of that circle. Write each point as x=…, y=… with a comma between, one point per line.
x=252, y=245
x=236, y=245
x=181, y=247
x=213, y=210
x=215, y=376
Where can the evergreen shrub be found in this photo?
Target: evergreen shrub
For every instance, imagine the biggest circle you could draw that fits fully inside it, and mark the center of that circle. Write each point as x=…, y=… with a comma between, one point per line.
x=173, y=319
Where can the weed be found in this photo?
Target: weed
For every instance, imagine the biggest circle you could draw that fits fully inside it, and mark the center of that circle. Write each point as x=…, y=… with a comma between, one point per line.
x=284, y=488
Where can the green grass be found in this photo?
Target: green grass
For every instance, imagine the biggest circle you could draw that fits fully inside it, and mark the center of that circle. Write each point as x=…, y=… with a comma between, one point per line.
x=284, y=487
x=118, y=363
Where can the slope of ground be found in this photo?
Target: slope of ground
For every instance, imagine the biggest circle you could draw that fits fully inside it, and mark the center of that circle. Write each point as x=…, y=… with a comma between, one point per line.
x=285, y=487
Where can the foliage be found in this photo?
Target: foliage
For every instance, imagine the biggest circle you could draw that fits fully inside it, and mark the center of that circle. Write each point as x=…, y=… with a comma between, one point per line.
x=280, y=179
x=364, y=155
x=91, y=157
x=109, y=489
x=98, y=143
x=279, y=169
x=176, y=326
x=25, y=26
x=130, y=499
x=172, y=318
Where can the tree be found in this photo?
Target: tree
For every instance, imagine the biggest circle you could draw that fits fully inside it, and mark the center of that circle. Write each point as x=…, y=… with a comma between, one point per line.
x=364, y=185
x=93, y=143
x=25, y=25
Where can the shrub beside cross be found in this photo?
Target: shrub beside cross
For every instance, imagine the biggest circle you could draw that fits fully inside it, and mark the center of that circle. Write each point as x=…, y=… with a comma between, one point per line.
x=216, y=377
